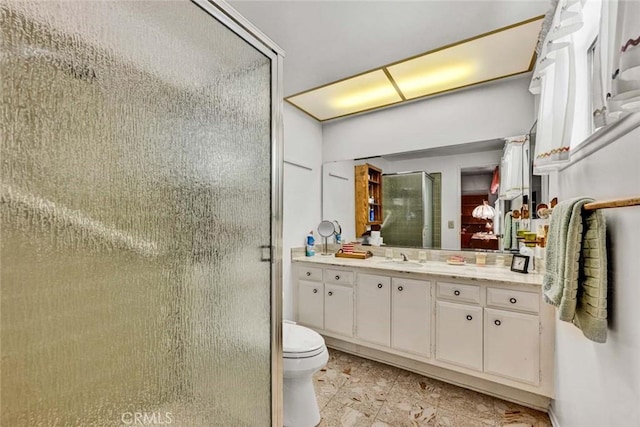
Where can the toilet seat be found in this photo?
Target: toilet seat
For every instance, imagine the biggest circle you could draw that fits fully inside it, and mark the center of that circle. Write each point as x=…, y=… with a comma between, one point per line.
x=300, y=342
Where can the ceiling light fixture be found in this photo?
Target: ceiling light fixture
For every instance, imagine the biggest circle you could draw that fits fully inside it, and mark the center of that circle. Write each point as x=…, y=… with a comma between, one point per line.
x=501, y=53
x=424, y=82
x=368, y=97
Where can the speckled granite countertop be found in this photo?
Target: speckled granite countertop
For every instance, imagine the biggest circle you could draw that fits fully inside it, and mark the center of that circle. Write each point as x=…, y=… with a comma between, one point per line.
x=432, y=268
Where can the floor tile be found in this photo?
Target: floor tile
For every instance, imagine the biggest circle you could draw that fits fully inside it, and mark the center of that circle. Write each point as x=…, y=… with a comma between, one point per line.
x=364, y=396
x=337, y=415
x=376, y=370
x=326, y=383
x=453, y=418
x=514, y=415
x=468, y=403
x=406, y=407
x=421, y=387
x=340, y=360
x=353, y=391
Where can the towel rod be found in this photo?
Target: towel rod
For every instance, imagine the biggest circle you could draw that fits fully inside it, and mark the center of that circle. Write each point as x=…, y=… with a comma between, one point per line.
x=618, y=203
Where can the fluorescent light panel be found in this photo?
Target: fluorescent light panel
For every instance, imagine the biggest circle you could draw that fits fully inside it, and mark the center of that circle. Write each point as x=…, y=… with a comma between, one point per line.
x=502, y=53
x=363, y=92
x=487, y=58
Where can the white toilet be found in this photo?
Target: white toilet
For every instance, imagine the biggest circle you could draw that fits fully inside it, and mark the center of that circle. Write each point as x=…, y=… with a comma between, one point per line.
x=304, y=354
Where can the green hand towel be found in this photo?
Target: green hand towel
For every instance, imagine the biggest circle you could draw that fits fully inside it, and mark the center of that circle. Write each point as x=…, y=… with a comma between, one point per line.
x=575, y=280
x=508, y=227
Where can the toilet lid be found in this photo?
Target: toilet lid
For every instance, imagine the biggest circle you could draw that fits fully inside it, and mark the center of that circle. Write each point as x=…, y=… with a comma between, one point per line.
x=299, y=340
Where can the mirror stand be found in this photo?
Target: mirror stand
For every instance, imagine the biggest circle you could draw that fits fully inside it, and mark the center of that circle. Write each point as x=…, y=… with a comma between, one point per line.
x=326, y=229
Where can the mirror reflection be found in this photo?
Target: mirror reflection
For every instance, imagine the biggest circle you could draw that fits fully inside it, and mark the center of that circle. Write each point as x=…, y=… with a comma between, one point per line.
x=440, y=198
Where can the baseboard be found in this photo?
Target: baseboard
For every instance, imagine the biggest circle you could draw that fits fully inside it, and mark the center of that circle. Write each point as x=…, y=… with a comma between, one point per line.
x=552, y=416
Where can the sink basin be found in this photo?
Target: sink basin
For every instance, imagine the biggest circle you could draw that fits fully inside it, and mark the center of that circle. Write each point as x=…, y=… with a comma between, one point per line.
x=399, y=263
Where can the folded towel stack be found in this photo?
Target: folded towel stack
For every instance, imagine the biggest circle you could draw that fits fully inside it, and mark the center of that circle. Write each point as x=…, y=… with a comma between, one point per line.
x=575, y=280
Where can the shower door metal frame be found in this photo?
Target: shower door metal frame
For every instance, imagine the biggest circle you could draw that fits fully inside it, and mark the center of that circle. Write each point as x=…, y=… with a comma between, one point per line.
x=229, y=17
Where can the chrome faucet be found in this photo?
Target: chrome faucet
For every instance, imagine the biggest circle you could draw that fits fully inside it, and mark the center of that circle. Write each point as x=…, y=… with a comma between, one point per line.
x=404, y=257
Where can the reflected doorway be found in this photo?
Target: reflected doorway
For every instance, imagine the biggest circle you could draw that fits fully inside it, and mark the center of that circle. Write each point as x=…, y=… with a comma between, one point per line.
x=478, y=195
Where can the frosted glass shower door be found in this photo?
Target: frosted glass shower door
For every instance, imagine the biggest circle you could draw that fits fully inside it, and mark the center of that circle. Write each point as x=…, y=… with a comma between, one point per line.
x=136, y=193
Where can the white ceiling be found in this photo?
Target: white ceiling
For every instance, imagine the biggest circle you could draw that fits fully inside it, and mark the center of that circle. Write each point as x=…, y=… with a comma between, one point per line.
x=328, y=40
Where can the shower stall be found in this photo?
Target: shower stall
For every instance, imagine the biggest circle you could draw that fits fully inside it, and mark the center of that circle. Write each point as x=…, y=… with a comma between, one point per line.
x=140, y=214
x=408, y=209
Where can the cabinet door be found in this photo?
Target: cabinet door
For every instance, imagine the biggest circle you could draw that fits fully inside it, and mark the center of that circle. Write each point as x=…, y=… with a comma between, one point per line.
x=410, y=316
x=459, y=334
x=310, y=304
x=338, y=309
x=512, y=345
x=373, y=309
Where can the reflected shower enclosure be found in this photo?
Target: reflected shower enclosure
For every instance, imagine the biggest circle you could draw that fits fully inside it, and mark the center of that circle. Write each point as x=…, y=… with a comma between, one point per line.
x=408, y=209
x=138, y=186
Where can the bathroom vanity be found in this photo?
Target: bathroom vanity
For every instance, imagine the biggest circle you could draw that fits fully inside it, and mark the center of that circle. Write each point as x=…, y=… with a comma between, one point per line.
x=482, y=327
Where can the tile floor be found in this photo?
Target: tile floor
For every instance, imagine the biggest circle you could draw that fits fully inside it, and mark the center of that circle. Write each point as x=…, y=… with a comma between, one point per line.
x=353, y=391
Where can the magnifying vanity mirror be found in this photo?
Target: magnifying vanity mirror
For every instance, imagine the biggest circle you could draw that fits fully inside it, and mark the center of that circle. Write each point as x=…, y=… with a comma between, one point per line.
x=423, y=195
x=326, y=229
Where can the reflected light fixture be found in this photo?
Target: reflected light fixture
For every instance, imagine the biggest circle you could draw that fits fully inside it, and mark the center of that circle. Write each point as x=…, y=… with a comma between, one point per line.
x=484, y=211
x=504, y=52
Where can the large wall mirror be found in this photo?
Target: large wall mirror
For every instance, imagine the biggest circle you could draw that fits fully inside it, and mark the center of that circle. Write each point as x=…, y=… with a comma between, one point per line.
x=429, y=196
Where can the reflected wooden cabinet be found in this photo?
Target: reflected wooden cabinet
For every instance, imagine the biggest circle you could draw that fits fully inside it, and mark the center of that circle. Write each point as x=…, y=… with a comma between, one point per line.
x=368, y=183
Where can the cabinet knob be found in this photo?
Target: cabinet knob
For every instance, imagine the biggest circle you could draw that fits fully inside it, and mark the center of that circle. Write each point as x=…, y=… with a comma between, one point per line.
x=456, y=292
x=330, y=293
x=315, y=291
x=469, y=317
x=400, y=288
x=497, y=322
x=379, y=285
x=337, y=277
x=513, y=300
x=308, y=273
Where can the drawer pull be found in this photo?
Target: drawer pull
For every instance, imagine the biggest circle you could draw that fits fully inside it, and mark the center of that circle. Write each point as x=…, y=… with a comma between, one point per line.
x=330, y=293
x=513, y=300
x=308, y=273
x=456, y=292
x=400, y=288
x=497, y=322
x=379, y=285
x=337, y=277
x=315, y=291
x=469, y=317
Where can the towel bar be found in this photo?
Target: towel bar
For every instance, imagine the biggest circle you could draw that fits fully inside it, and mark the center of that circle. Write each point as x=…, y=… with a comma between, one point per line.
x=618, y=203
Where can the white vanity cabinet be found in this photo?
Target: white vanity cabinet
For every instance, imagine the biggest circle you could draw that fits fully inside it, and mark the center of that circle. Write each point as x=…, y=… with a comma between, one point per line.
x=338, y=309
x=411, y=316
x=459, y=334
x=373, y=309
x=324, y=299
x=512, y=337
x=310, y=297
x=311, y=304
x=491, y=335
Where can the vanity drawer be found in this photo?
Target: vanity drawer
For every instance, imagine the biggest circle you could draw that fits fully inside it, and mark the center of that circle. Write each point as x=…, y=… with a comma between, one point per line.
x=340, y=277
x=458, y=292
x=516, y=300
x=373, y=280
x=310, y=273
